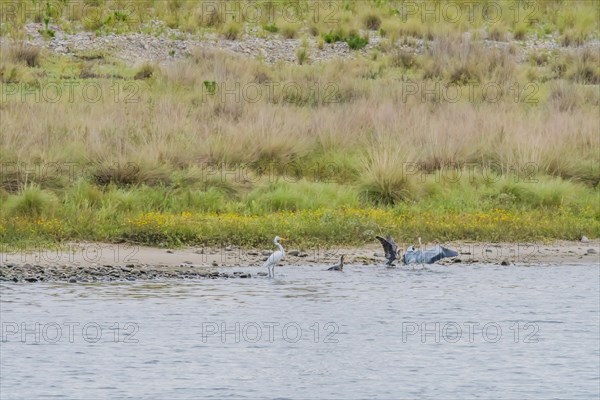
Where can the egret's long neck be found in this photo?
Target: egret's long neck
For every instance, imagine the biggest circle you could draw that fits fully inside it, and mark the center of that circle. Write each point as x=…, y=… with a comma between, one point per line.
x=280, y=247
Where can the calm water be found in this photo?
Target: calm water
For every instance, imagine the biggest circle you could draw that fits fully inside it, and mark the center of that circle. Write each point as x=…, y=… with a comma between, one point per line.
x=369, y=332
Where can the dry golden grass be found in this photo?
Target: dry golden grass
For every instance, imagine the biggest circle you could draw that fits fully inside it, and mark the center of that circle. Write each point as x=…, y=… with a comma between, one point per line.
x=342, y=107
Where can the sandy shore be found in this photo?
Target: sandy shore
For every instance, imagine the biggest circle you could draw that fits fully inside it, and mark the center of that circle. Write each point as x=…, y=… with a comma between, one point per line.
x=85, y=262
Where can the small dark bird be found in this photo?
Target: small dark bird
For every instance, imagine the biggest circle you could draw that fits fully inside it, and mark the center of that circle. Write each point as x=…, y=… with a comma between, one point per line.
x=338, y=267
x=390, y=247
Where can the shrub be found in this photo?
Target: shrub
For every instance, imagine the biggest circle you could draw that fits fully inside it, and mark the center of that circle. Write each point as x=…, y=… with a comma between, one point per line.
x=384, y=180
x=564, y=96
x=271, y=28
x=25, y=53
x=520, y=31
x=232, y=30
x=32, y=201
x=403, y=59
x=320, y=43
x=130, y=173
x=302, y=55
x=372, y=22
x=497, y=33
x=146, y=71
x=212, y=20
x=586, y=68
x=334, y=36
x=356, y=42
x=289, y=31
x=572, y=37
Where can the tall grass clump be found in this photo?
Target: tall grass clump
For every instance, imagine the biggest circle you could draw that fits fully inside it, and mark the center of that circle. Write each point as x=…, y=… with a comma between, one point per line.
x=31, y=202
x=386, y=168
x=586, y=67
x=232, y=30
x=146, y=71
x=372, y=22
x=564, y=96
x=25, y=53
x=289, y=30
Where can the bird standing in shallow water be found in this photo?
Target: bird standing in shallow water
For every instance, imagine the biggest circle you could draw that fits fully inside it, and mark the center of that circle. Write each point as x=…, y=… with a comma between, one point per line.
x=338, y=267
x=275, y=257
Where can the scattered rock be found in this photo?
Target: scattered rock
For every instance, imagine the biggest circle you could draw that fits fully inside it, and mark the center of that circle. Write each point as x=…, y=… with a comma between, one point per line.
x=266, y=252
x=505, y=262
x=584, y=239
x=592, y=251
x=73, y=280
x=215, y=264
x=170, y=251
x=253, y=253
x=294, y=253
x=163, y=45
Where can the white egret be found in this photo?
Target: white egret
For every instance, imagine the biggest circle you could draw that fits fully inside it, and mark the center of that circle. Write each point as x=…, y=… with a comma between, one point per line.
x=275, y=257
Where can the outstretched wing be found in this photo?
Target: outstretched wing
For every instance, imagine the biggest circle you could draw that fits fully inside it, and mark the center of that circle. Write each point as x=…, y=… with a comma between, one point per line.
x=389, y=246
x=449, y=253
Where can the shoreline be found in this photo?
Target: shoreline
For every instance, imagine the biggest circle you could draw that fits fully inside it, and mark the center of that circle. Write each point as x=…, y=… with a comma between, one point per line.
x=104, y=262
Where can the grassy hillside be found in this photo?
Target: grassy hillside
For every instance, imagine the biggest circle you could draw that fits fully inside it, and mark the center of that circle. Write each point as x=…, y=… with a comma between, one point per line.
x=454, y=137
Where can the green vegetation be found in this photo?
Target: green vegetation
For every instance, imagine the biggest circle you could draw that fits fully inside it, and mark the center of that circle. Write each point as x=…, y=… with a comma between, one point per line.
x=460, y=141
x=502, y=20
x=310, y=213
